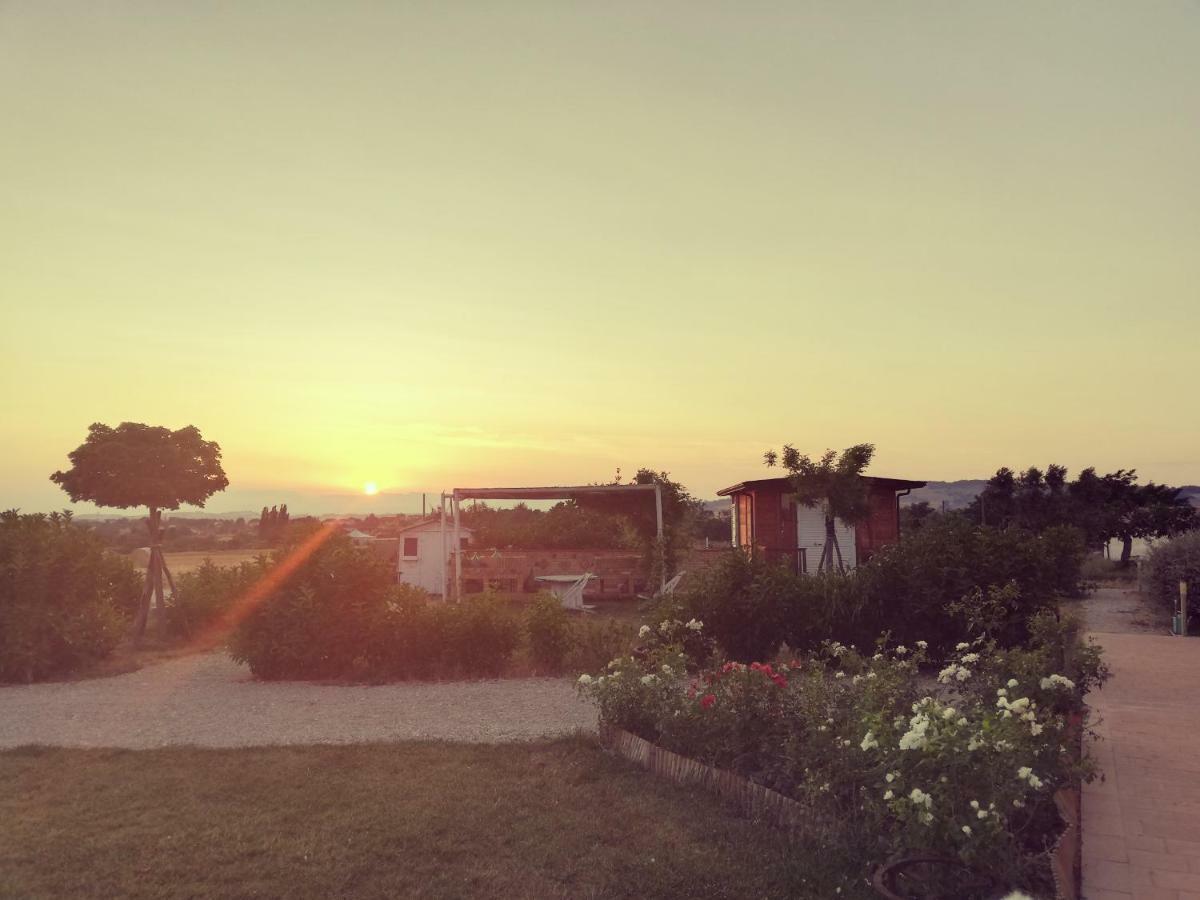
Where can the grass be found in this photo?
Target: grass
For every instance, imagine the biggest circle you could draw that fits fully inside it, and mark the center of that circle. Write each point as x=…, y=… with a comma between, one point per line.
x=426, y=820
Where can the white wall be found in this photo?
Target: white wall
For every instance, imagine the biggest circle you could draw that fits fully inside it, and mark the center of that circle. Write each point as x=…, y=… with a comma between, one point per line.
x=810, y=534
x=425, y=571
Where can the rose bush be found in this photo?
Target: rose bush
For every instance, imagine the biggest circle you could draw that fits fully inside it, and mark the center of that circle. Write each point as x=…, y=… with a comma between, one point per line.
x=960, y=760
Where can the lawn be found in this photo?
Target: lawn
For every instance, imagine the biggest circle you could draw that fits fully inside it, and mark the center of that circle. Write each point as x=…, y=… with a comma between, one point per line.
x=547, y=820
x=181, y=561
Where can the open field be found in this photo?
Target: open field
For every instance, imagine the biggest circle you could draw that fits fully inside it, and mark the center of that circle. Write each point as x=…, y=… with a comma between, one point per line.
x=186, y=560
x=546, y=820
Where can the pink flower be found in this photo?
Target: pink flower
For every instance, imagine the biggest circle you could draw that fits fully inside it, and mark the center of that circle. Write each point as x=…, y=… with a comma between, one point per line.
x=707, y=700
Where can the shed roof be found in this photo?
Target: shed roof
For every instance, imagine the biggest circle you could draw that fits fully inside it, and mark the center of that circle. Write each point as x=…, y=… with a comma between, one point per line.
x=896, y=484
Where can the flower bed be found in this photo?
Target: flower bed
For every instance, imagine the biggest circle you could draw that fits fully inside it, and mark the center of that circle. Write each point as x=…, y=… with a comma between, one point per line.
x=964, y=764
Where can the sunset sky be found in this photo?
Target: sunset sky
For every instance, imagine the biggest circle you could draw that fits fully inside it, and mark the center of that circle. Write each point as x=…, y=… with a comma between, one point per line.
x=438, y=244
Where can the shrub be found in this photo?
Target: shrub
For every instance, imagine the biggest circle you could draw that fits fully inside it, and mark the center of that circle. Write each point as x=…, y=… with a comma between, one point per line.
x=596, y=640
x=968, y=773
x=480, y=635
x=206, y=594
x=328, y=616
x=548, y=627
x=927, y=587
x=1171, y=562
x=62, y=597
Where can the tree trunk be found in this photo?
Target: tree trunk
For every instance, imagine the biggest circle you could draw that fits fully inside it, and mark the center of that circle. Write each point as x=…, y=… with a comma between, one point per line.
x=152, y=578
x=1126, y=550
x=831, y=546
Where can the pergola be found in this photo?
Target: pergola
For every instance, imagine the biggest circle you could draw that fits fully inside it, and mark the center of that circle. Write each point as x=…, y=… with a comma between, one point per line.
x=457, y=495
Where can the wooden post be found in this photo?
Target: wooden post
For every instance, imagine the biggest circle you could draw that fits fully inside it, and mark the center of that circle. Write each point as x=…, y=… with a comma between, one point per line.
x=457, y=547
x=445, y=556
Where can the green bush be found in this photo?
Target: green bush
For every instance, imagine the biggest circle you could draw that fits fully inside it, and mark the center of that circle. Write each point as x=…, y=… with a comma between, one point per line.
x=63, y=599
x=548, y=629
x=206, y=594
x=327, y=616
x=922, y=588
x=1171, y=562
x=594, y=640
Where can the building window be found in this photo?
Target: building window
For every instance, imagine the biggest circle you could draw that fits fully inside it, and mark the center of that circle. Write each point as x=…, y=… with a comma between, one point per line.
x=410, y=548
x=745, y=522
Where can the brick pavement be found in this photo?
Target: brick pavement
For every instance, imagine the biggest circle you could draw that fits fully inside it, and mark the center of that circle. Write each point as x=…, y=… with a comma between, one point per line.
x=1141, y=824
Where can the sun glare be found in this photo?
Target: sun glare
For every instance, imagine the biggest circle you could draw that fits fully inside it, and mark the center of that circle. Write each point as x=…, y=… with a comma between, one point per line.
x=370, y=489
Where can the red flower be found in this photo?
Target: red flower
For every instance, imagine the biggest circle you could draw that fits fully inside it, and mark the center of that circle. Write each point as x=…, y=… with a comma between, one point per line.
x=707, y=700
x=779, y=680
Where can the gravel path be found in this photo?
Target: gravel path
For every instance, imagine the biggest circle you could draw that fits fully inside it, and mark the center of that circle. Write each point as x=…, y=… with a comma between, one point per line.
x=210, y=701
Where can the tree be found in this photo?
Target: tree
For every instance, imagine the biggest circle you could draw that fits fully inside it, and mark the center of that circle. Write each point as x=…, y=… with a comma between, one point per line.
x=142, y=465
x=834, y=485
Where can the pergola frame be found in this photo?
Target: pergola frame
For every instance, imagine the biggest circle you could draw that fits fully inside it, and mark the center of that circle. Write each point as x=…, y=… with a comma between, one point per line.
x=457, y=495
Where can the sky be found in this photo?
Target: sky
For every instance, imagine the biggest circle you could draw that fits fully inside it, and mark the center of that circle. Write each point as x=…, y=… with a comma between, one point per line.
x=430, y=245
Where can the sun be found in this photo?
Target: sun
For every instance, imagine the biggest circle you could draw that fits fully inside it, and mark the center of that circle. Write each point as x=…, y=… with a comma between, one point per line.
x=370, y=489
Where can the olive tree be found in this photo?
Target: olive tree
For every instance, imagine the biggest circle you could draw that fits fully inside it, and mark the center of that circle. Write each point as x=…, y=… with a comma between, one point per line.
x=136, y=465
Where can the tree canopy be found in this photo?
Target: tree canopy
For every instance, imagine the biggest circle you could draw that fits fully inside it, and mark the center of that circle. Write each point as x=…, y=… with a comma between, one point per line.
x=833, y=484
x=143, y=465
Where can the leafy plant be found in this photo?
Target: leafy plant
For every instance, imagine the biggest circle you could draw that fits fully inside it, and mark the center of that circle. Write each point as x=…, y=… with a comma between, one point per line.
x=63, y=599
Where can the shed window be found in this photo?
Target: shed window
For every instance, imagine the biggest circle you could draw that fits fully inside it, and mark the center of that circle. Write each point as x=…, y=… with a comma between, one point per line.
x=410, y=548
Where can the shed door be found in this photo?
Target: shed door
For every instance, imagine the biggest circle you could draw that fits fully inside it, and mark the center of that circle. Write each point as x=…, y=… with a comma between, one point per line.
x=810, y=534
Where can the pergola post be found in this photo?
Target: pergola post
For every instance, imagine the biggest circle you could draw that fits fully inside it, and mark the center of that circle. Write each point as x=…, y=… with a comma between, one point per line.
x=445, y=559
x=457, y=547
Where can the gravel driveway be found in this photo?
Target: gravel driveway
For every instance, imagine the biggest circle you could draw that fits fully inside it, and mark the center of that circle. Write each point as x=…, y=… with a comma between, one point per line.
x=210, y=701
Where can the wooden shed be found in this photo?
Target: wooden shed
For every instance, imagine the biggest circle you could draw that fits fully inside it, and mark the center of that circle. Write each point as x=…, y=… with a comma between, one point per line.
x=768, y=522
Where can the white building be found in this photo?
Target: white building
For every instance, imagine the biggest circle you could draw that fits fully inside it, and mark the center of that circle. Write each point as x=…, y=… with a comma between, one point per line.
x=422, y=556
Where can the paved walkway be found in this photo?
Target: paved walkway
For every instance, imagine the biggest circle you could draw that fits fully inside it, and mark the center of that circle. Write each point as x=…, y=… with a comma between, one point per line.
x=1141, y=825
x=208, y=700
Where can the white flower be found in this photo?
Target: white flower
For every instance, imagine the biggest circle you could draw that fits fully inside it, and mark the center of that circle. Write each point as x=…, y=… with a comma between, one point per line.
x=643, y=631
x=869, y=742
x=665, y=625
x=1035, y=729
x=888, y=794
x=974, y=743
x=970, y=658
x=666, y=670
x=856, y=679
x=890, y=777
x=963, y=646
x=1057, y=681
x=974, y=804
x=982, y=814
x=920, y=798
x=949, y=712
x=922, y=645
x=1024, y=772
x=694, y=625
x=585, y=679
x=962, y=674
x=871, y=675
x=1001, y=692
x=1012, y=682
x=822, y=728
x=901, y=650
x=962, y=721
x=877, y=656
x=846, y=743
x=649, y=679
x=966, y=829
x=1018, y=804
x=840, y=675
x=926, y=818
